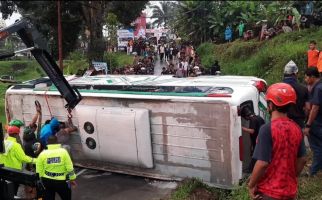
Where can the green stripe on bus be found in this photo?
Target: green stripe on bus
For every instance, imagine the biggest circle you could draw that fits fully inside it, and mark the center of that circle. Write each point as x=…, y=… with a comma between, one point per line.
x=190, y=94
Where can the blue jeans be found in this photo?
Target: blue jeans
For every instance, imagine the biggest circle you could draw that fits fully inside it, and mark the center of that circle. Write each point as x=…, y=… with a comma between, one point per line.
x=315, y=140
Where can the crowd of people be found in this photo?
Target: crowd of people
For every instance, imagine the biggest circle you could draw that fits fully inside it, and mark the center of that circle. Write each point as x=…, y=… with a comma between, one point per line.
x=45, y=150
x=179, y=60
x=277, y=147
x=294, y=21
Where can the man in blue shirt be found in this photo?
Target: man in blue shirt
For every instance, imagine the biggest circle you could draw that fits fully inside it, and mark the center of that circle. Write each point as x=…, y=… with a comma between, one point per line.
x=48, y=130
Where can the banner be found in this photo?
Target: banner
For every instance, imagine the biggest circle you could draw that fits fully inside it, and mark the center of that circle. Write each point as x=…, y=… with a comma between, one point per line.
x=123, y=36
x=140, y=26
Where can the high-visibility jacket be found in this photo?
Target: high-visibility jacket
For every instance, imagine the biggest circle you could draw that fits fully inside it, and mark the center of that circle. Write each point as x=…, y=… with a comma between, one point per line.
x=312, y=57
x=14, y=156
x=55, y=163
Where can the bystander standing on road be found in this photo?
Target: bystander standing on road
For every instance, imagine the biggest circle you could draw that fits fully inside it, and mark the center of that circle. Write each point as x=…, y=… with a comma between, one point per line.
x=161, y=52
x=298, y=110
x=56, y=171
x=280, y=150
x=313, y=126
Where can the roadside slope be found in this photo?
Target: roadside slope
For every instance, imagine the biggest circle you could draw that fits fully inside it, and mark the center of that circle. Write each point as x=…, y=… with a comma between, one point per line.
x=267, y=59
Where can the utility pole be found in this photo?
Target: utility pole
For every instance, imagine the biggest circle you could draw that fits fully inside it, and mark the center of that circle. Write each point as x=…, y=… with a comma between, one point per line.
x=60, y=48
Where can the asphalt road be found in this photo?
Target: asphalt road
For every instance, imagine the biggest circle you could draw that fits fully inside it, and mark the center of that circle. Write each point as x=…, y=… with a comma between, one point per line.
x=99, y=185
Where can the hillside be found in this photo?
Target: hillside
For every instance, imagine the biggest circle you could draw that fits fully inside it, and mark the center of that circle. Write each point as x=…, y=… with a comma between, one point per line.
x=267, y=59
x=22, y=70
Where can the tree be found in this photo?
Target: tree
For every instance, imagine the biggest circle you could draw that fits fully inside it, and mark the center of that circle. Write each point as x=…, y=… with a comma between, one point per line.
x=77, y=16
x=112, y=23
x=162, y=13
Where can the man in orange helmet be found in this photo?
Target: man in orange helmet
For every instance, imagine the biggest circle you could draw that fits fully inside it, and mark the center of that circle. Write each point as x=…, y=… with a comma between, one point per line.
x=280, y=151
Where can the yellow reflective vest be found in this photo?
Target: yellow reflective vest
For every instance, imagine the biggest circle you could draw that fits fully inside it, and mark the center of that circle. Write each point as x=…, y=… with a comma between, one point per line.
x=55, y=163
x=14, y=156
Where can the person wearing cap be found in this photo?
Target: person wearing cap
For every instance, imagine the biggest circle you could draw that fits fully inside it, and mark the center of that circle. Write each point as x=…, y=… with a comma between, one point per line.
x=313, y=126
x=296, y=111
x=14, y=156
x=56, y=171
x=280, y=150
x=255, y=122
x=18, y=123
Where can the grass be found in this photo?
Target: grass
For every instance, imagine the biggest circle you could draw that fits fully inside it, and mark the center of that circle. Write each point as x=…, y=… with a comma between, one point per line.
x=22, y=70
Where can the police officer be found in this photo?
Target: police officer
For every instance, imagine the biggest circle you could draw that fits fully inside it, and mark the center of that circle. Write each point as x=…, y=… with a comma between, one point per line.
x=14, y=156
x=56, y=171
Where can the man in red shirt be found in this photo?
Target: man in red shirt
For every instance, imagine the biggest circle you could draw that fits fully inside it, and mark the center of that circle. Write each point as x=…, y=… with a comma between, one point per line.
x=312, y=55
x=280, y=151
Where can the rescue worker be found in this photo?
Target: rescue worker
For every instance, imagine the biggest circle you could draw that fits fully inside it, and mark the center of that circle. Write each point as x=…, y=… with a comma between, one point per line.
x=14, y=156
x=56, y=171
x=18, y=123
x=280, y=150
x=255, y=122
x=47, y=130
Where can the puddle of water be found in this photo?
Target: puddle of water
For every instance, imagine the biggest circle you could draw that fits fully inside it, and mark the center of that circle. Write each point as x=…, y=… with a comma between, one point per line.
x=164, y=184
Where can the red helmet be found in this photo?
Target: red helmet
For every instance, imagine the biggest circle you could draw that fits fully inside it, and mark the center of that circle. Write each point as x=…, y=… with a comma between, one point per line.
x=13, y=130
x=281, y=94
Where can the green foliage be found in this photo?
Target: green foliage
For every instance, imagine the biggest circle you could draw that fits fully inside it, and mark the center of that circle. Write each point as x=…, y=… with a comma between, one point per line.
x=117, y=60
x=76, y=62
x=28, y=69
x=206, y=53
x=188, y=186
x=76, y=16
x=239, y=193
x=265, y=59
x=112, y=22
x=202, y=21
x=163, y=13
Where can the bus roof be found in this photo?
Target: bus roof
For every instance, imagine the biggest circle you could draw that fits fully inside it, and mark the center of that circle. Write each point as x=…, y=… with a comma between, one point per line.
x=163, y=80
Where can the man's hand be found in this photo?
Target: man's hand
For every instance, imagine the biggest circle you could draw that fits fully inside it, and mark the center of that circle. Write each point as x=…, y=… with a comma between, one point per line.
x=38, y=107
x=73, y=184
x=306, y=131
x=252, y=193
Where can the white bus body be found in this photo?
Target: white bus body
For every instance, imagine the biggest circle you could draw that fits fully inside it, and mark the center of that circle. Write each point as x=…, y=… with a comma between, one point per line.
x=154, y=126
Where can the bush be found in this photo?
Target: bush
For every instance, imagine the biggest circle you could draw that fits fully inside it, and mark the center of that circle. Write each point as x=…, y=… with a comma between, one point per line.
x=206, y=52
x=117, y=60
x=76, y=61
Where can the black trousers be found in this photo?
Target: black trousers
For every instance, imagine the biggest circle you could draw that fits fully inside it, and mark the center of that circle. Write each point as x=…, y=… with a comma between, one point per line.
x=56, y=186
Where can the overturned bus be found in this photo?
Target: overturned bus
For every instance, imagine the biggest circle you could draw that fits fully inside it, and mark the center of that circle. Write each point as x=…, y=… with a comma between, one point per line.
x=153, y=126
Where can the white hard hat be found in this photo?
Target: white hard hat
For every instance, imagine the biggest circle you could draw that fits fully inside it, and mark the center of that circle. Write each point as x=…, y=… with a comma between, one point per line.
x=290, y=68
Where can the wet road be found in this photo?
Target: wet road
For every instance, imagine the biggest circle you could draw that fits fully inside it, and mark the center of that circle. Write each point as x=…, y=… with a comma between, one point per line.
x=158, y=66
x=99, y=185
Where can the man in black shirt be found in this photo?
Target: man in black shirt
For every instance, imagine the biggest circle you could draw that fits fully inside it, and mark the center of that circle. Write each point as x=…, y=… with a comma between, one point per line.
x=215, y=69
x=255, y=122
x=296, y=111
x=313, y=126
